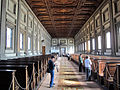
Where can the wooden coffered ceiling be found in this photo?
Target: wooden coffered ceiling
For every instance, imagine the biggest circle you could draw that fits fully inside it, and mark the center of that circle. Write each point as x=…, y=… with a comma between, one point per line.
x=63, y=18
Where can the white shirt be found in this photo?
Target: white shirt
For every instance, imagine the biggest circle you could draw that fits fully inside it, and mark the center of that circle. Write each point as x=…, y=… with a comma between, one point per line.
x=88, y=63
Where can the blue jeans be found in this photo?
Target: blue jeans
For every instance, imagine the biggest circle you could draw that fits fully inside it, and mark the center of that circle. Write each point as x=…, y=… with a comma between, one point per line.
x=52, y=78
x=88, y=73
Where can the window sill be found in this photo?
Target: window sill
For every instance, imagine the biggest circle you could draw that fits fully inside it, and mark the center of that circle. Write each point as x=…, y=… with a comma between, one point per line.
x=10, y=54
x=108, y=50
x=118, y=53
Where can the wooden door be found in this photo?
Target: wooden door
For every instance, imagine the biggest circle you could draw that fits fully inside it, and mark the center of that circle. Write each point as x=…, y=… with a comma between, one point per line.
x=43, y=50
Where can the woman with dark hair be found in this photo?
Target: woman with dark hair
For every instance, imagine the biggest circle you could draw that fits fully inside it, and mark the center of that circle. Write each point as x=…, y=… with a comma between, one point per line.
x=80, y=63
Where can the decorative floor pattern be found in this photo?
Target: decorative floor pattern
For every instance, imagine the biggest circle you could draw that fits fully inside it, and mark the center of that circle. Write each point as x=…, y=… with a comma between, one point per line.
x=68, y=78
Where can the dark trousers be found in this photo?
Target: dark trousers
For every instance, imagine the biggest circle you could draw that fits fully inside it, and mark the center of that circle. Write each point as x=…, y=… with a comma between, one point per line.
x=80, y=67
x=88, y=73
x=68, y=58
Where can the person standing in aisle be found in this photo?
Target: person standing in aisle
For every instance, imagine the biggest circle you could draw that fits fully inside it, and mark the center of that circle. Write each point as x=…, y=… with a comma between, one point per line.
x=88, y=64
x=80, y=63
x=51, y=67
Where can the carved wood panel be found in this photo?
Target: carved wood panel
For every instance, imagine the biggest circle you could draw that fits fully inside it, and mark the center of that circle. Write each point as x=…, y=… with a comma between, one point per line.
x=70, y=15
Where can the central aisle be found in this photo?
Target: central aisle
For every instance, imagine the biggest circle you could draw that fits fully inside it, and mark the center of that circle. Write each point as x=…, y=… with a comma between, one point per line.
x=68, y=78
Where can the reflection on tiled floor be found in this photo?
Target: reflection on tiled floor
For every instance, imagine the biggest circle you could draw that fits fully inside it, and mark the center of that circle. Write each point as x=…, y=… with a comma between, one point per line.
x=68, y=78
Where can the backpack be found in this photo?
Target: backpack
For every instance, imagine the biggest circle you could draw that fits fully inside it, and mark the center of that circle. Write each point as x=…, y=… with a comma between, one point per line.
x=48, y=70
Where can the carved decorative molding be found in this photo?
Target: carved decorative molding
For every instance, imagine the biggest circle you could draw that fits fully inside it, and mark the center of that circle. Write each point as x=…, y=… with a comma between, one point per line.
x=70, y=15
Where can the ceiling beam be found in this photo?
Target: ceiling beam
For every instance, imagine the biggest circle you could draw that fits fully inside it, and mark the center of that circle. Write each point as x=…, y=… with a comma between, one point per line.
x=47, y=3
x=80, y=3
x=41, y=6
x=63, y=20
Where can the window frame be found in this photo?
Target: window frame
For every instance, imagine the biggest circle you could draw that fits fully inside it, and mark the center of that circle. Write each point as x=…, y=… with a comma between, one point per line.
x=15, y=7
x=104, y=17
x=14, y=10
x=12, y=40
x=36, y=43
x=28, y=43
x=117, y=27
x=85, y=46
x=92, y=44
x=107, y=40
x=23, y=37
x=0, y=8
x=97, y=22
x=100, y=41
x=116, y=6
x=89, y=45
x=25, y=17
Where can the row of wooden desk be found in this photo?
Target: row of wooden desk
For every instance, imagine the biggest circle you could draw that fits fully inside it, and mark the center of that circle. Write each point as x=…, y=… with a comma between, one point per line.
x=105, y=69
x=23, y=73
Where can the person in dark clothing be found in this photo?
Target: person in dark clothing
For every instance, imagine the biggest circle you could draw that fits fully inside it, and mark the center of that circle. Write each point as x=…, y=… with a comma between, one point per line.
x=68, y=55
x=51, y=67
x=80, y=63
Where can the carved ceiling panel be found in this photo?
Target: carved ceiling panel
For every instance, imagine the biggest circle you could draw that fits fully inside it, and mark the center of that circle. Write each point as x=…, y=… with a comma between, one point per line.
x=63, y=2
x=63, y=11
x=63, y=18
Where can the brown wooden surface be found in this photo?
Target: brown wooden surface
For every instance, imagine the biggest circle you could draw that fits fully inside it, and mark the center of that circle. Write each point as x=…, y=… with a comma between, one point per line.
x=109, y=74
x=99, y=64
x=33, y=69
x=116, y=78
x=43, y=50
x=63, y=18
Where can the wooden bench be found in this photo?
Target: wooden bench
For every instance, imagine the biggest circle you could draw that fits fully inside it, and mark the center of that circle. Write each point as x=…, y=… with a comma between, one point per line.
x=116, y=78
x=109, y=74
x=29, y=69
x=6, y=77
x=40, y=64
x=98, y=64
x=75, y=58
x=20, y=74
x=100, y=68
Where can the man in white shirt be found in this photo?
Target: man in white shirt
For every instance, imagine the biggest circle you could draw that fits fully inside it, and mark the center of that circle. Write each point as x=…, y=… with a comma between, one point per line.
x=88, y=64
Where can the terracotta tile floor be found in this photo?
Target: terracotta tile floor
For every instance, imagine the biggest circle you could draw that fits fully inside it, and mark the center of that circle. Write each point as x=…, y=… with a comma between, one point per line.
x=68, y=78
